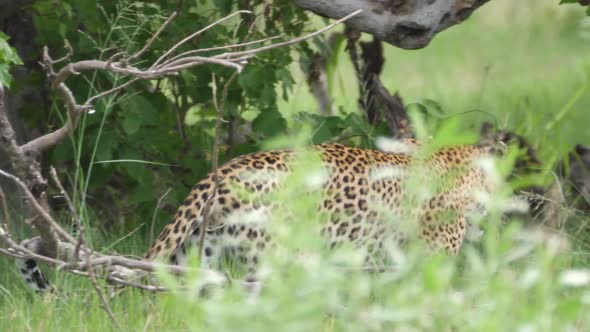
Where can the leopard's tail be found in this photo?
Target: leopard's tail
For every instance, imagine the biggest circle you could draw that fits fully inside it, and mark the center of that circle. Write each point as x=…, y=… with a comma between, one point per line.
x=185, y=223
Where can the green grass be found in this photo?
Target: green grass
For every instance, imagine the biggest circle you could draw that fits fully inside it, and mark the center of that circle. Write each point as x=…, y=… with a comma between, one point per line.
x=525, y=64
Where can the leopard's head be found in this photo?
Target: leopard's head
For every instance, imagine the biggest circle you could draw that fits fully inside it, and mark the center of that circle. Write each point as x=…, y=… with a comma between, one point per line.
x=574, y=173
x=526, y=164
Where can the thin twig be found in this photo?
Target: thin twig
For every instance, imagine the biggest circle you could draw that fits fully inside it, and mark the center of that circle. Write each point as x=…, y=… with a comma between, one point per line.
x=217, y=48
x=127, y=263
x=26, y=253
x=215, y=161
x=225, y=92
x=192, y=61
x=254, y=51
x=123, y=282
x=156, y=213
x=48, y=219
x=92, y=99
x=70, y=204
x=153, y=38
x=51, y=139
x=205, y=223
x=105, y=303
x=21, y=254
x=68, y=56
x=173, y=48
x=63, y=192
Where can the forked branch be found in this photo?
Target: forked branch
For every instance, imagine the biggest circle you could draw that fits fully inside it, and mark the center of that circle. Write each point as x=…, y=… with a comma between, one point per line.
x=162, y=67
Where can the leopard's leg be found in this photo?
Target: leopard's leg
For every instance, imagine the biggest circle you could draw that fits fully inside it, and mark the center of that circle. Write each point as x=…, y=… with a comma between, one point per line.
x=212, y=248
x=250, y=242
x=30, y=272
x=32, y=275
x=211, y=254
x=456, y=234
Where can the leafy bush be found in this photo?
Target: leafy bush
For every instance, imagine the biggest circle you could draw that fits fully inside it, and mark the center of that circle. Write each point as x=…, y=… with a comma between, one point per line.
x=158, y=136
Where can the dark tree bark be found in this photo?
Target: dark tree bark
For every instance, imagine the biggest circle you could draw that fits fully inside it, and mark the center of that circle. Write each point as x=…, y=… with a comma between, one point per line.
x=407, y=24
x=16, y=21
x=374, y=99
x=317, y=75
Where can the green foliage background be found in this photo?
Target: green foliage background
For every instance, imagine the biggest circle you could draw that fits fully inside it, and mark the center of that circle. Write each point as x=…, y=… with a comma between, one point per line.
x=139, y=145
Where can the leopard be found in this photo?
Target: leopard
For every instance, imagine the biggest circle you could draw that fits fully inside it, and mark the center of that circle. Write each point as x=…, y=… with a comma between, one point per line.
x=364, y=193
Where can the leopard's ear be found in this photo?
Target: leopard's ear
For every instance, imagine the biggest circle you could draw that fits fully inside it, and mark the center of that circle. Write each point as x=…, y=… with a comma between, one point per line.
x=491, y=140
x=489, y=135
x=581, y=150
x=486, y=131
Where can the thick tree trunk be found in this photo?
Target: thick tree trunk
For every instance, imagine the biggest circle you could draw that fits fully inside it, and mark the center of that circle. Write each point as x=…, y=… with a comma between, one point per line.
x=16, y=21
x=407, y=24
x=374, y=99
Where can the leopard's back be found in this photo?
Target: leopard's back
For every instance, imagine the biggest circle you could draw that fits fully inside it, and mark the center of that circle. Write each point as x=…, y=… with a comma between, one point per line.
x=365, y=195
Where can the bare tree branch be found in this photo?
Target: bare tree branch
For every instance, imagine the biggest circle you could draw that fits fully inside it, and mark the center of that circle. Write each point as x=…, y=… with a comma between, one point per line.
x=408, y=24
x=154, y=215
x=90, y=101
x=51, y=139
x=123, y=282
x=153, y=38
x=231, y=55
x=52, y=225
x=207, y=208
x=105, y=302
x=235, y=60
x=68, y=55
x=72, y=209
x=220, y=109
x=217, y=48
x=175, y=47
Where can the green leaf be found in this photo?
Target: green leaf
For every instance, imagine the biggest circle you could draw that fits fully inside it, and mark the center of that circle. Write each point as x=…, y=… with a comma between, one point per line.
x=108, y=143
x=131, y=123
x=89, y=14
x=143, y=192
x=5, y=77
x=198, y=113
x=250, y=78
x=8, y=57
x=138, y=112
x=269, y=123
x=224, y=6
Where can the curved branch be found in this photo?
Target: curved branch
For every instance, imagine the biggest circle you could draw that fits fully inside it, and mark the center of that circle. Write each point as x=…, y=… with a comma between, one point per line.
x=408, y=24
x=49, y=226
x=51, y=139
